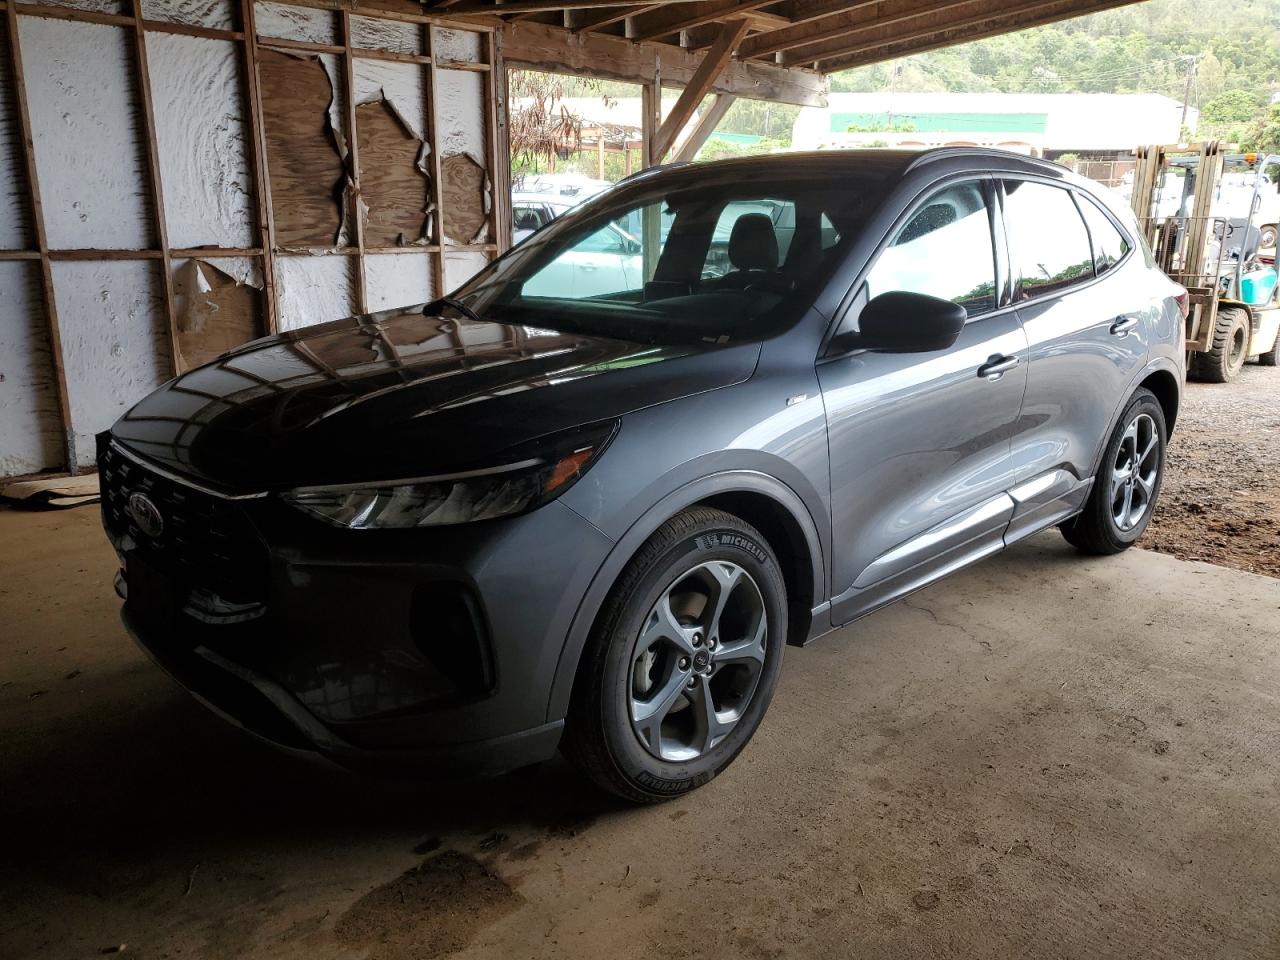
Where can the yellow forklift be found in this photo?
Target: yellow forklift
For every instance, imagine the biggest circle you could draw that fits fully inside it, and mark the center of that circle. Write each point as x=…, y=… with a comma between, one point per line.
x=1218, y=258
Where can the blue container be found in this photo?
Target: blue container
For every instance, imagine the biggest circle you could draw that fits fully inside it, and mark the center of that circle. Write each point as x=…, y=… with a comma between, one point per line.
x=1256, y=286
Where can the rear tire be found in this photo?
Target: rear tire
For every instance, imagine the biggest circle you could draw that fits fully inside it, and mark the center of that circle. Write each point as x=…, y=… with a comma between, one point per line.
x=1221, y=363
x=1111, y=521
x=1272, y=356
x=683, y=659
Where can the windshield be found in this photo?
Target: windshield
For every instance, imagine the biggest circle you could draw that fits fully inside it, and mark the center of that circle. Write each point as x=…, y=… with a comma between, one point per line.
x=704, y=261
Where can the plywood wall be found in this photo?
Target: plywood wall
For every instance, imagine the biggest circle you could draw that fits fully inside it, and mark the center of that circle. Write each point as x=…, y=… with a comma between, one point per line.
x=210, y=171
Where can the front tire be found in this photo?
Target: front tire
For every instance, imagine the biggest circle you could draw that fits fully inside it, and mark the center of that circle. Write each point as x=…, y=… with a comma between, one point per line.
x=1222, y=362
x=683, y=660
x=1127, y=484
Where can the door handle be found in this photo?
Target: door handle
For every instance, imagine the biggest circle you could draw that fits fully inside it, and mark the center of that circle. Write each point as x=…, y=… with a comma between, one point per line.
x=1123, y=325
x=998, y=366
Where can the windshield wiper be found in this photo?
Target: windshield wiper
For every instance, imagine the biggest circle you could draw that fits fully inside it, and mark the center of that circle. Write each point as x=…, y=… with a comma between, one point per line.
x=456, y=304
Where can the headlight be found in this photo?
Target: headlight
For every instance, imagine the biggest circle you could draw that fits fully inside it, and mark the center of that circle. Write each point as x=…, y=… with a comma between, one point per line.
x=501, y=491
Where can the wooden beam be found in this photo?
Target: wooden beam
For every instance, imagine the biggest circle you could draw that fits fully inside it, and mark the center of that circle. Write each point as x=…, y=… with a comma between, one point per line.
x=672, y=19
x=353, y=162
x=839, y=18
x=27, y=145
x=261, y=175
x=580, y=20
x=947, y=35
x=553, y=50
x=473, y=7
x=713, y=63
x=159, y=224
x=500, y=146
x=436, y=186
x=706, y=124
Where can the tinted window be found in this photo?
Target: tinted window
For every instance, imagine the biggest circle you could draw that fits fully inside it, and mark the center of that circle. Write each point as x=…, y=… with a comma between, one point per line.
x=528, y=217
x=1047, y=239
x=780, y=212
x=944, y=250
x=1109, y=244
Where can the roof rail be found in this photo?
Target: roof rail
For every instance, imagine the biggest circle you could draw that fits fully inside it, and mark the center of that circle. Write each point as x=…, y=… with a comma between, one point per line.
x=943, y=153
x=650, y=171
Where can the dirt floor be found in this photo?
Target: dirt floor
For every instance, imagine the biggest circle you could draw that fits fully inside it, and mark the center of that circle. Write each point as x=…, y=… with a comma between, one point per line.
x=1221, y=495
x=1045, y=756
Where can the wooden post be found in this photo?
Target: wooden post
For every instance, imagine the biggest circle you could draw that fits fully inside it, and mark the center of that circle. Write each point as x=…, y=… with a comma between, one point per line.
x=42, y=245
x=159, y=226
x=600, y=153
x=353, y=162
x=700, y=84
x=261, y=173
x=437, y=186
x=501, y=147
x=687, y=149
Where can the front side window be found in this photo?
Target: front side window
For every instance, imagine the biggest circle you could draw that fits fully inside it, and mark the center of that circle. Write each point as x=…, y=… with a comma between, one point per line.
x=945, y=250
x=1109, y=244
x=682, y=259
x=1048, y=242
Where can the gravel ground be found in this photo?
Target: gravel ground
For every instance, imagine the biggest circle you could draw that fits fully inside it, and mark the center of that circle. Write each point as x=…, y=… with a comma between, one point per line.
x=1221, y=497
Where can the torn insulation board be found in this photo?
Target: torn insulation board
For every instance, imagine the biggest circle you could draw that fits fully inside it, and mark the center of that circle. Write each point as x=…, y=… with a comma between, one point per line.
x=30, y=421
x=208, y=194
x=372, y=33
x=313, y=289
x=217, y=310
x=398, y=279
x=16, y=231
x=215, y=14
x=304, y=150
x=82, y=96
x=114, y=340
x=465, y=198
x=295, y=23
x=393, y=177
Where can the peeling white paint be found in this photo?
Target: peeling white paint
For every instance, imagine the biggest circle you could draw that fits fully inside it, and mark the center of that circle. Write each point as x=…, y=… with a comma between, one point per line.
x=204, y=168
x=246, y=270
x=460, y=114
x=197, y=13
x=373, y=33
x=403, y=85
x=15, y=209
x=30, y=422
x=461, y=265
x=114, y=340
x=314, y=289
x=397, y=279
x=462, y=45
x=295, y=23
x=88, y=139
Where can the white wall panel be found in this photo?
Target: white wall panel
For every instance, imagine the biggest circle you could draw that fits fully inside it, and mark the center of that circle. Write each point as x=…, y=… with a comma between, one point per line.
x=397, y=279
x=81, y=94
x=15, y=208
x=114, y=339
x=460, y=113
x=295, y=23
x=30, y=422
x=197, y=13
x=461, y=265
x=314, y=289
x=462, y=45
x=204, y=167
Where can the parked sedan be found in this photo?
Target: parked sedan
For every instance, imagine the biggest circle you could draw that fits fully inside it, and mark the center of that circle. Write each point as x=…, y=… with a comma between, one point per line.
x=531, y=517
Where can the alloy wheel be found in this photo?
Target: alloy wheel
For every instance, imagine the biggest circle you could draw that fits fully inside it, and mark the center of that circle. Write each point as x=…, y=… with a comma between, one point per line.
x=697, y=661
x=1134, y=473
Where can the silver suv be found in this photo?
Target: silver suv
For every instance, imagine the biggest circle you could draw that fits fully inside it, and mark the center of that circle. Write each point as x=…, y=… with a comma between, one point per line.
x=540, y=514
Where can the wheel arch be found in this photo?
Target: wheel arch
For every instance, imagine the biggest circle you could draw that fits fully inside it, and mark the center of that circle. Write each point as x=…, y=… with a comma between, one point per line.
x=1164, y=385
x=761, y=500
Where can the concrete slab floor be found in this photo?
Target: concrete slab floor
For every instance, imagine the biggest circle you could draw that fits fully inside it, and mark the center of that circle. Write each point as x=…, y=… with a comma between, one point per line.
x=1044, y=756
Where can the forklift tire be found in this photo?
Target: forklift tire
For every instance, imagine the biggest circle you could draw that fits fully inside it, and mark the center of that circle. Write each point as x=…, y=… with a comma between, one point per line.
x=1221, y=363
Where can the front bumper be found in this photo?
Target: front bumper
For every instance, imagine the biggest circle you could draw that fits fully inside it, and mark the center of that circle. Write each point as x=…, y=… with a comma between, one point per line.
x=433, y=647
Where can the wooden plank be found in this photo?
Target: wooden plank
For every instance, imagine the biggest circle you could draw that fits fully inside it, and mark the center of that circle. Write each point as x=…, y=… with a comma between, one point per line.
x=383, y=10
x=159, y=225
x=706, y=124
x=580, y=20
x=949, y=34
x=68, y=13
x=839, y=18
x=258, y=162
x=354, y=199
x=673, y=19
x=188, y=30
x=498, y=153
x=27, y=146
x=437, y=176
x=554, y=50
x=471, y=7
x=713, y=64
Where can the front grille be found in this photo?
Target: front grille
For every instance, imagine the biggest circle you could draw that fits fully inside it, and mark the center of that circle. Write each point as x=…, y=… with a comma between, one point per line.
x=206, y=543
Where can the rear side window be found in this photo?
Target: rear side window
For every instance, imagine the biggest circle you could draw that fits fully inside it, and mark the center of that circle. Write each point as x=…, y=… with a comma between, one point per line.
x=1048, y=242
x=1109, y=244
x=944, y=251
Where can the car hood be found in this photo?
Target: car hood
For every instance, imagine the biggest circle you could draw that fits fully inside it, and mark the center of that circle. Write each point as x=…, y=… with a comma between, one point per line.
x=401, y=394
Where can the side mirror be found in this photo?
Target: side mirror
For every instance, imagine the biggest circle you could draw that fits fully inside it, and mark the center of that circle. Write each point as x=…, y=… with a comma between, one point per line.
x=902, y=322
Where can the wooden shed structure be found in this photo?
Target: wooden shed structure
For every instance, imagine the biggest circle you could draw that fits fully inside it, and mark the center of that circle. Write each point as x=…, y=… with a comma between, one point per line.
x=180, y=176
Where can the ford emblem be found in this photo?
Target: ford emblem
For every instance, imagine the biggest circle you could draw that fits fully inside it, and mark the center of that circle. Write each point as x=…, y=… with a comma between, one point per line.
x=146, y=515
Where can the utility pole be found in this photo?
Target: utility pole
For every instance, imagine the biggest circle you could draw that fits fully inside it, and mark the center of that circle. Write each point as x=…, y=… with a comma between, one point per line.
x=1186, y=93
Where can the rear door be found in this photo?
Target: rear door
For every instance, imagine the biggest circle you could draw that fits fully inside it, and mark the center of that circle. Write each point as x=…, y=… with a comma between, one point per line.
x=1083, y=308
x=919, y=442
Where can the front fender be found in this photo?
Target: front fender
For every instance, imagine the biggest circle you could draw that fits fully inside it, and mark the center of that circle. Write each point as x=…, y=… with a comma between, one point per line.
x=729, y=481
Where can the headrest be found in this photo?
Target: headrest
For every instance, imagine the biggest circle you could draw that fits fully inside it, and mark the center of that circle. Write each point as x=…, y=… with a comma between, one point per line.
x=753, y=245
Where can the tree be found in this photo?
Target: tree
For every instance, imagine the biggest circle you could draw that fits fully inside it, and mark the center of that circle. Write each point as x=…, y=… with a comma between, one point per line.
x=1233, y=106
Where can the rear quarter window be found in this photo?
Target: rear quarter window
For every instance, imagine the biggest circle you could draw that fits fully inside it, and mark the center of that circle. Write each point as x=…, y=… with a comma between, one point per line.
x=1109, y=244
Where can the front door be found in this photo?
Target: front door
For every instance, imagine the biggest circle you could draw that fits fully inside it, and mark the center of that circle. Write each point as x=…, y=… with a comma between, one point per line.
x=919, y=442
